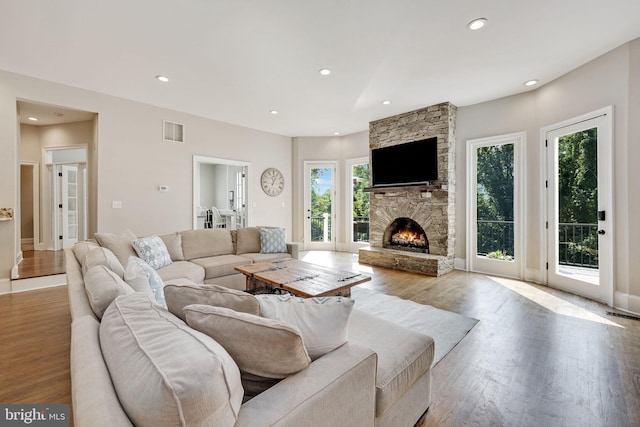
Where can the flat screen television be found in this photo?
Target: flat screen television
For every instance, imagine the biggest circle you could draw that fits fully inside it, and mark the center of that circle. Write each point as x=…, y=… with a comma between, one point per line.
x=411, y=163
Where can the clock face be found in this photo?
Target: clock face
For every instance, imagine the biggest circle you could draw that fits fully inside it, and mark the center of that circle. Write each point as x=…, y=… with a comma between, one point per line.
x=272, y=181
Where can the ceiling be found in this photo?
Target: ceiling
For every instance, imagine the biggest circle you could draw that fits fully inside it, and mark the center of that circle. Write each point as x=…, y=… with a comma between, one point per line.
x=235, y=61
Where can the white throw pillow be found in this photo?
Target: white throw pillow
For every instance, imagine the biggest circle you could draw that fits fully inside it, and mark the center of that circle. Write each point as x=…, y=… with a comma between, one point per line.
x=153, y=251
x=142, y=278
x=322, y=321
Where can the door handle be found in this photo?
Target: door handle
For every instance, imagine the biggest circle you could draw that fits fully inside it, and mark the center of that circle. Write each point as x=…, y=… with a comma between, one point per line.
x=601, y=232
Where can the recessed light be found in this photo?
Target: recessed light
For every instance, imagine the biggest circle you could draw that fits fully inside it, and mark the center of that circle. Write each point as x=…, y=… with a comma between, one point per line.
x=386, y=102
x=476, y=24
x=274, y=112
x=531, y=82
x=324, y=71
x=336, y=133
x=33, y=119
x=163, y=79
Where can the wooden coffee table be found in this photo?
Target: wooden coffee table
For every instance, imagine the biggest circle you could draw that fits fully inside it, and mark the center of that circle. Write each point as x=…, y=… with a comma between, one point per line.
x=300, y=278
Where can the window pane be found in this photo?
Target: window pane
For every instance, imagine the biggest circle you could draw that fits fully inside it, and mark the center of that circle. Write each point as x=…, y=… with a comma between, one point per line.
x=360, y=214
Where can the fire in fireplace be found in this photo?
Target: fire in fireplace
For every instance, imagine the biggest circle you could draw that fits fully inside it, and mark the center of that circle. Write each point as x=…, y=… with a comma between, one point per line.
x=405, y=234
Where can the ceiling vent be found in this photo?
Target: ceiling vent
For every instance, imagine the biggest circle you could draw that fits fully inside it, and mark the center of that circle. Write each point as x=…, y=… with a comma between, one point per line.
x=173, y=132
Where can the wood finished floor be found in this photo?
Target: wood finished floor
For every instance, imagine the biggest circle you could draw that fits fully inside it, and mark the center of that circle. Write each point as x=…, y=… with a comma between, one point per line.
x=40, y=263
x=538, y=356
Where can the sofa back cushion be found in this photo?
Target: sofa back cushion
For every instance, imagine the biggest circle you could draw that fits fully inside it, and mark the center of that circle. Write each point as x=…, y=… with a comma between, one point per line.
x=165, y=373
x=102, y=287
x=173, y=242
x=80, y=250
x=206, y=243
x=180, y=295
x=265, y=350
x=247, y=240
x=119, y=244
x=102, y=256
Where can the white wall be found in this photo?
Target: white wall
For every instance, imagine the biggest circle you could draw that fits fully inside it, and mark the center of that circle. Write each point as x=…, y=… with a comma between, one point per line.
x=132, y=160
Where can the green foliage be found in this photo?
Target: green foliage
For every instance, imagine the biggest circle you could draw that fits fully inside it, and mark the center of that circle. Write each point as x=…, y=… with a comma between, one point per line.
x=360, y=198
x=495, y=182
x=499, y=255
x=578, y=177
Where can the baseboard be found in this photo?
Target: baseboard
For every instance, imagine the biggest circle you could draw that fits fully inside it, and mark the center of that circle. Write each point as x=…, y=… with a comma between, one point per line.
x=460, y=264
x=627, y=302
x=27, y=241
x=22, y=285
x=5, y=286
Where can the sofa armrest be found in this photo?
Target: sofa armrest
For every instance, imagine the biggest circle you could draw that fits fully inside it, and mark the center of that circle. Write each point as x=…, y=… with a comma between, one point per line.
x=293, y=249
x=336, y=389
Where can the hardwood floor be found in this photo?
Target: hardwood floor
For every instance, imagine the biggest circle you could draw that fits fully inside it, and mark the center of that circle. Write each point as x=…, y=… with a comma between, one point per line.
x=538, y=356
x=40, y=263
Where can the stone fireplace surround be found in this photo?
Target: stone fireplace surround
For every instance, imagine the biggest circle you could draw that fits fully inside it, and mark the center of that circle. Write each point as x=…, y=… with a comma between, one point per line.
x=432, y=206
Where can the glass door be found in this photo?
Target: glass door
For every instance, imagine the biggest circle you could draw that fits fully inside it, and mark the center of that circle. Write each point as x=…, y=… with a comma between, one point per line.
x=494, y=205
x=319, y=200
x=579, y=238
x=358, y=206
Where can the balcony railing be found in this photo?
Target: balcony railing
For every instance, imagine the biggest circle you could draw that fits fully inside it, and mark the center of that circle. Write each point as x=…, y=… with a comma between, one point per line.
x=360, y=228
x=321, y=228
x=577, y=242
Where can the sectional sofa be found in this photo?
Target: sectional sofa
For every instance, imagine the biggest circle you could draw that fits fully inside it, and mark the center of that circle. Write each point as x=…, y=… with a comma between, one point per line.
x=134, y=362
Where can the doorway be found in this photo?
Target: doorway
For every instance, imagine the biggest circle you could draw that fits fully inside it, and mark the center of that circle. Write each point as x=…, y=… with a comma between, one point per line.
x=320, y=206
x=220, y=193
x=495, y=211
x=579, y=205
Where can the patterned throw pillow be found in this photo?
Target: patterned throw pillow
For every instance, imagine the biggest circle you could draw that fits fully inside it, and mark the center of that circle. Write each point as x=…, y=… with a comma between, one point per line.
x=142, y=278
x=272, y=241
x=153, y=251
x=323, y=321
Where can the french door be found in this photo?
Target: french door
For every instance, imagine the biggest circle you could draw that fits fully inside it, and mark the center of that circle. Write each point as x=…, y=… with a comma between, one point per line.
x=494, y=205
x=319, y=202
x=579, y=203
x=69, y=201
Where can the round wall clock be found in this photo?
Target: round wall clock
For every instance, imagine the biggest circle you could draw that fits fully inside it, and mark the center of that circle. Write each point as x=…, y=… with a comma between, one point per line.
x=272, y=181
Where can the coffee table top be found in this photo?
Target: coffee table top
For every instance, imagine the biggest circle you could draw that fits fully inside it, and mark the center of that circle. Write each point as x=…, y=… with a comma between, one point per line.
x=302, y=278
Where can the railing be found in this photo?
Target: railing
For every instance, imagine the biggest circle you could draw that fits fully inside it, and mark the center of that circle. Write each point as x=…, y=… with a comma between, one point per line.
x=360, y=228
x=321, y=228
x=494, y=236
x=578, y=245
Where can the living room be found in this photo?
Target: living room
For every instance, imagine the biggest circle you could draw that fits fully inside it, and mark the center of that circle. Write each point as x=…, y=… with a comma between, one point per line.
x=129, y=160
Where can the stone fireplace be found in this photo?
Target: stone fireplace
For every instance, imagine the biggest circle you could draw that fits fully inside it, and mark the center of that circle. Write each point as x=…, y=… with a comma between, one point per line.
x=412, y=228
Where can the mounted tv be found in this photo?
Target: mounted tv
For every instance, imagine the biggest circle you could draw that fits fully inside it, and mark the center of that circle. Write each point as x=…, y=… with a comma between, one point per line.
x=411, y=163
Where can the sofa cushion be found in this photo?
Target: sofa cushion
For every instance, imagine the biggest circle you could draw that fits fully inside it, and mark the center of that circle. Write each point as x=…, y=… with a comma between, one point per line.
x=182, y=269
x=258, y=257
x=265, y=350
x=119, y=244
x=143, y=278
x=206, y=243
x=403, y=355
x=173, y=242
x=180, y=295
x=165, y=373
x=247, y=240
x=80, y=250
x=152, y=250
x=102, y=287
x=221, y=265
x=272, y=240
x=323, y=321
x=102, y=256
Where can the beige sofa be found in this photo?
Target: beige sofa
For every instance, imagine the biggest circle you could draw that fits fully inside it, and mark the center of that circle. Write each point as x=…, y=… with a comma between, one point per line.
x=380, y=377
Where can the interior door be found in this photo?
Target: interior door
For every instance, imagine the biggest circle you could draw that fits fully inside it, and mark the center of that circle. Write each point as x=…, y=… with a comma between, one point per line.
x=69, y=205
x=495, y=214
x=579, y=203
x=319, y=201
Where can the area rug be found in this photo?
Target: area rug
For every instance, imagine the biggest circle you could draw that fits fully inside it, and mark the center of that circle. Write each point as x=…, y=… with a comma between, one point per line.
x=446, y=328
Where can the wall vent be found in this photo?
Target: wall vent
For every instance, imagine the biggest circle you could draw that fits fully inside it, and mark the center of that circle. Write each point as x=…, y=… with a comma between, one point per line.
x=173, y=132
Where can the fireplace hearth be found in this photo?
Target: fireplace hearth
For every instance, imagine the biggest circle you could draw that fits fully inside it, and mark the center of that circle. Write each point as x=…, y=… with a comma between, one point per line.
x=407, y=235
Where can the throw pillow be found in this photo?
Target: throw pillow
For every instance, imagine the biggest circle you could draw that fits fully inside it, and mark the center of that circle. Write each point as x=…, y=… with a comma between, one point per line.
x=272, y=240
x=153, y=251
x=247, y=240
x=323, y=321
x=142, y=278
x=80, y=250
x=180, y=295
x=173, y=242
x=119, y=244
x=165, y=373
x=102, y=256
x=265, y=350
x=102, y=287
